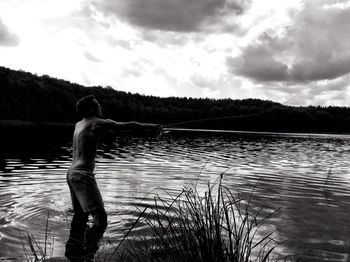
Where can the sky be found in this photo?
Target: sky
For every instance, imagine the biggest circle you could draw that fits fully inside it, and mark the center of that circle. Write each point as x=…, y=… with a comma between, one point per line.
x=296, y=52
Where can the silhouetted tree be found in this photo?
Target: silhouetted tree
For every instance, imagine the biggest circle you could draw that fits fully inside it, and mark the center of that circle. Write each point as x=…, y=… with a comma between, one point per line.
x=40, y=99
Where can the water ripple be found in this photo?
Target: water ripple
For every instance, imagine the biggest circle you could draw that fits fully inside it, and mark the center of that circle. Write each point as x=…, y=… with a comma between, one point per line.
x=290, y=172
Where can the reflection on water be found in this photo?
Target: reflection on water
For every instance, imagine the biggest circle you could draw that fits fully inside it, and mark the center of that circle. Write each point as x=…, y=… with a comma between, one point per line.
x=288, y=171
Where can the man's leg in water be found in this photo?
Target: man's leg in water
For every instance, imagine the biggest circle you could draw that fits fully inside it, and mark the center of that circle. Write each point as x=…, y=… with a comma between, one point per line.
x=86, y=197
x=75, y=243
x=94, y=234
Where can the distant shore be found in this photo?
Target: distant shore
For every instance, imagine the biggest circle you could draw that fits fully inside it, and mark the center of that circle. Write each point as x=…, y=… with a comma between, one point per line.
x=49, y=101
x=21, y=123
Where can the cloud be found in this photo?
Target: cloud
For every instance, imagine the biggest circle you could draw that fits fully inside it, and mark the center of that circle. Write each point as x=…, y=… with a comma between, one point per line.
x=313, y=47
x=174, y=15
x=326, y=92
x=7, y=38
x=91, y=57
x=258, y=62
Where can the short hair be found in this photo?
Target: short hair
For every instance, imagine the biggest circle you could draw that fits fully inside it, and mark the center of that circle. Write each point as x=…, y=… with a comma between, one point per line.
x=88, y=106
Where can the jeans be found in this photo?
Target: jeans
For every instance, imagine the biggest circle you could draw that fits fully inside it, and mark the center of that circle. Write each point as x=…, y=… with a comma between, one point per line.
x=83, y=240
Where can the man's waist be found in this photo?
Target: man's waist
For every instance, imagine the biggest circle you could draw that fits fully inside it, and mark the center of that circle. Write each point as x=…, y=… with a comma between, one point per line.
x=87, y=166
x=83, y=171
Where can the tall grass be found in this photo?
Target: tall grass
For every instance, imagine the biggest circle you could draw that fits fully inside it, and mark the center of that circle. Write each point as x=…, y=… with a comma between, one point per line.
x=37, y=248
x=216, y=226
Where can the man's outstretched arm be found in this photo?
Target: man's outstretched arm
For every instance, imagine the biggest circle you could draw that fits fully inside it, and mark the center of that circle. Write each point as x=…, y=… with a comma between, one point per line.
x=111, y=125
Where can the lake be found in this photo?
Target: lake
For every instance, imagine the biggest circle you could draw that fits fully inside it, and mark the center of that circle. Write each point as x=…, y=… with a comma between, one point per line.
x=307, y=176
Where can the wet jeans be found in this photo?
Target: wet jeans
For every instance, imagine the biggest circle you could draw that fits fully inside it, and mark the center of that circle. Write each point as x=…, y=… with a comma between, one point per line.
x=83, y=240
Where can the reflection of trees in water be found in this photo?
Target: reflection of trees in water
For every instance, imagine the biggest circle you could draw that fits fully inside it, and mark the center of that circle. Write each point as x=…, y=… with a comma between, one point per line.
x=34, y=140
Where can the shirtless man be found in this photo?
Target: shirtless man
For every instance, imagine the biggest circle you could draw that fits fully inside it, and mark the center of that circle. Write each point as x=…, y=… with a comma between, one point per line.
x=86, y=197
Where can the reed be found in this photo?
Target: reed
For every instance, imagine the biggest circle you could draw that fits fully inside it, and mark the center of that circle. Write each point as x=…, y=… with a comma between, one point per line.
x=36, y=248
x=216, y=226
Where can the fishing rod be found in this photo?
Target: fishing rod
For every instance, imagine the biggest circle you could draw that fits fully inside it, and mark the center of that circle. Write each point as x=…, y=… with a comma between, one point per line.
x=168, y=127
x=215, y=118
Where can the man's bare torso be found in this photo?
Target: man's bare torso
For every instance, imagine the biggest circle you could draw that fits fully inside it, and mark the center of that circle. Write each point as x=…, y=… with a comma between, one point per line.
x=86, y=136
x=85, y=139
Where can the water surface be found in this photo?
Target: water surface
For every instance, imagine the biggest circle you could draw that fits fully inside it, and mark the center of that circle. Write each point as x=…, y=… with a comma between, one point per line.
x=287, y=171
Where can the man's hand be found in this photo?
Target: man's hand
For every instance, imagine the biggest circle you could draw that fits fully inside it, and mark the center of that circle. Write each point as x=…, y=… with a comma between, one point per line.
x=155, y=128
x=159, y=129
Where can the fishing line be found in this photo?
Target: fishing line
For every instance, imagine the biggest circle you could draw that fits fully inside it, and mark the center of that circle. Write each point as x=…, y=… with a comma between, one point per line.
x=214, y=118
x=168, y=126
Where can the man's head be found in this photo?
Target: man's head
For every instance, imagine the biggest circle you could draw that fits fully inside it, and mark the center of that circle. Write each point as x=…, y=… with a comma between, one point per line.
x=88, y=106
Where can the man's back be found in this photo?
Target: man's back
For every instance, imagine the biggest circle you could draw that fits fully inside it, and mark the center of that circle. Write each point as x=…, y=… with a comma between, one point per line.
x=85, y=140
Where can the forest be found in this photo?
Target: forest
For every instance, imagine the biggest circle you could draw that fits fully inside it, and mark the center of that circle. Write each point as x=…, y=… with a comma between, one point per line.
x=44, y=99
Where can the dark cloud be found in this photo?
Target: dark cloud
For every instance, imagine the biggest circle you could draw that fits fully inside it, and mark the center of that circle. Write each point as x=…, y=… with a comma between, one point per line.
x=320, y=68
x=327, y=92
x=315, y=47
x=173, y=15
x=6, y=37
x=257, y=62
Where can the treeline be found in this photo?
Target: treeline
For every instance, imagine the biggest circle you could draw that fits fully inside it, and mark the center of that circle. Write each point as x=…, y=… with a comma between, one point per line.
x=40, y=99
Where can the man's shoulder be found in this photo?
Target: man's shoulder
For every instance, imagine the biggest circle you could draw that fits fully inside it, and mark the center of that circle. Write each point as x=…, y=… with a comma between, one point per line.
x=89, y=123
x=101, y=124
x=101, y=121
x=96, y=124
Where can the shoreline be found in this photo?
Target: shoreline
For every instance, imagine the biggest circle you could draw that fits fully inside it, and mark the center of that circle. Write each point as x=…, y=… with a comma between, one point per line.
x=267, y=133
x=21, y=123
